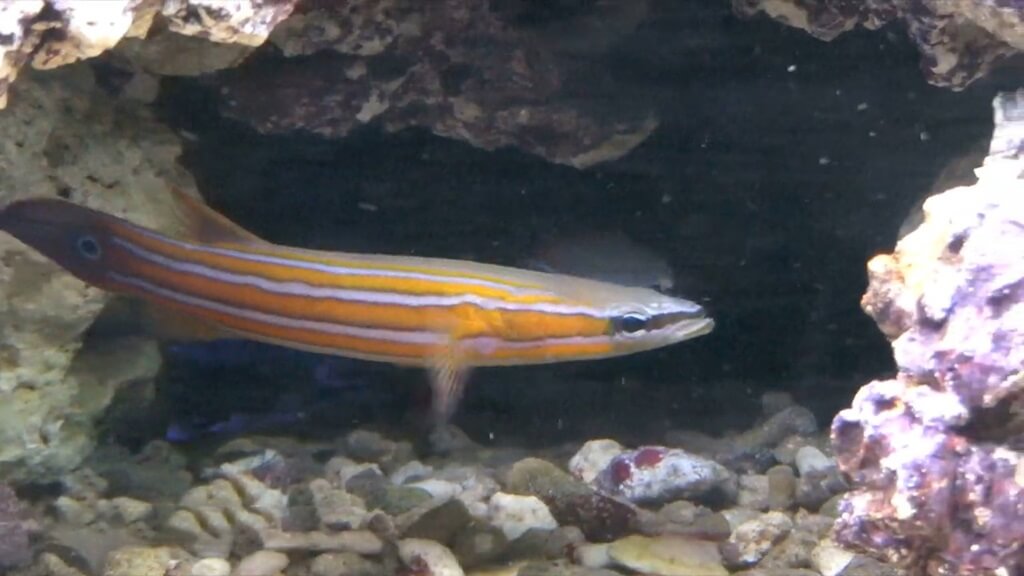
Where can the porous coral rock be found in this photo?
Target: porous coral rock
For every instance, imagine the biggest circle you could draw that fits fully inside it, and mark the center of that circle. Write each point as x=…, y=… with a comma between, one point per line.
x=53, y=33
x=931, y=453
x=63, y=138
x=461, y=68
x=961, y=40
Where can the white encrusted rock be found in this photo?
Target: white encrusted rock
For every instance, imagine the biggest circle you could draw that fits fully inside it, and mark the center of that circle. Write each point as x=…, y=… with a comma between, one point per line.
x=516, y=514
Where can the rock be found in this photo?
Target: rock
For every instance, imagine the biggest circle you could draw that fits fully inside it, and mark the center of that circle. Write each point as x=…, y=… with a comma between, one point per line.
x=785, y=451
x=667, y=556
x=58, y=34
x=357, y=541
x=811, y=461
x=560, y=568
x=929, y=448
x=864, y=566
x=337, y=509
x=73, y=511
x=793, y=552
x=592, y=555
x=439, y=490
x=67, y=138
x=754, y=492
x=440, y=523
x=368, y=446
x=754, y=538
x=774, y=402
x=15, y=547
x=440, y=80
x=478, y=543
x=654, y=474
x=781, y=487
x=138, y=561
x=830, y=559
x=737, y=516
x=685, y=519
x=538, y=543
x=960, y=41
x=594, y=457
x=344, y=564
x=776, y=572
x=211, y=567
x=429, y=556
x=262, y=563
x=412, y=471
x=516, y=514
x=130, y=510
x=570, y=501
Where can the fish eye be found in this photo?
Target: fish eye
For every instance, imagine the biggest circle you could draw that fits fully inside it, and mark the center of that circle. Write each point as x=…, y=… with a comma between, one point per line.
x=630, y=323
x=88, y=247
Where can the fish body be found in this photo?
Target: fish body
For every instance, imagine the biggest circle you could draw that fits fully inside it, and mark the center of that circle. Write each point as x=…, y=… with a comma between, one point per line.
x=445, y=315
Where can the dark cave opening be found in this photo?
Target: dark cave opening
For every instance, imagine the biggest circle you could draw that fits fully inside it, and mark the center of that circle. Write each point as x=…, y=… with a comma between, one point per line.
x=781, y=164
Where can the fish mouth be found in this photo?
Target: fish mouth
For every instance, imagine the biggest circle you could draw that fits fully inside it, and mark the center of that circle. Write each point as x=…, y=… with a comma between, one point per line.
x=688, y=324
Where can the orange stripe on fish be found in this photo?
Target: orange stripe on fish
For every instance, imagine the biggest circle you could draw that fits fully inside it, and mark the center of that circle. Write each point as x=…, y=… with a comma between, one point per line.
x=447, y=315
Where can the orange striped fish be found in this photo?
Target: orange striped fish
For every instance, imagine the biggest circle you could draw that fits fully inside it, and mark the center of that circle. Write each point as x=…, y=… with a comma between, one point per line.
x=445, y=315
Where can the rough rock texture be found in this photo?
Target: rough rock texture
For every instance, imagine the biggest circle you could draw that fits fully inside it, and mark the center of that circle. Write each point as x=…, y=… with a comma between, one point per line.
x=960, y=40
x=15, y=549
x=933, y=454
x=51, y=33
x=64, y=138
x=461, y=68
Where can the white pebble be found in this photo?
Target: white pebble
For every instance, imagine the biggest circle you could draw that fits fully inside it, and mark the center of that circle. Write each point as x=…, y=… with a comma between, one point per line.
x=810, y=460
x=211, y=567
x=439, y=560
x=262, y=563
x=592, y=555
x=516, y=514
x=593, y=457
x=440, y=490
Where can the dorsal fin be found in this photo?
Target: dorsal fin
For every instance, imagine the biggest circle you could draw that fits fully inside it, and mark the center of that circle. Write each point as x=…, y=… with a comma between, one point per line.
x=206, y=225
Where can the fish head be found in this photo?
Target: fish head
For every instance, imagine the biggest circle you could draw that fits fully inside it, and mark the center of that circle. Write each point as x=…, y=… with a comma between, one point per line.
x=643, y=319
x=73, y=236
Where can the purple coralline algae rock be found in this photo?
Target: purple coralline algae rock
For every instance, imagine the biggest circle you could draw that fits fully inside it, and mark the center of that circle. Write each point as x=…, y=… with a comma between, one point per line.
x=960, y=40
x=654, y=474
x=933, y=454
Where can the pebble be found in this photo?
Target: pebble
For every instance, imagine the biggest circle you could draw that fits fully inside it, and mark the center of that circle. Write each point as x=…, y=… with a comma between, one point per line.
x=667, y=555
x=478, y=543
x=594, y=457
x=344, y=564
x=358, y=541
x=428, y=556
x=830, y=559
x=440, y=523
x=336, y=508
x=592, y=555
x=751, y=540
x=654, y=474
x=810, y=460
x=262, y=563
x=754, y=492
x=516, y=514
x=141, y=561
x=412, y=471
x=211, y=567
x=368, y=446
x=781, y=487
